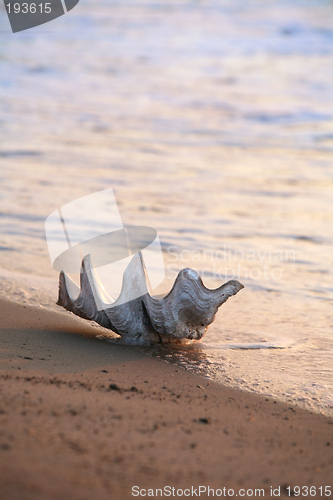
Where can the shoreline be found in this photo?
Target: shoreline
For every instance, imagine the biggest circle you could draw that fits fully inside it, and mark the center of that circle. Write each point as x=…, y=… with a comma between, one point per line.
x=91, y=419
x=308, y=392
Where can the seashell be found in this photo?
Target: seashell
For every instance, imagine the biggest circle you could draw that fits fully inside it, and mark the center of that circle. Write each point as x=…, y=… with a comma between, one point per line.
x=184, y=313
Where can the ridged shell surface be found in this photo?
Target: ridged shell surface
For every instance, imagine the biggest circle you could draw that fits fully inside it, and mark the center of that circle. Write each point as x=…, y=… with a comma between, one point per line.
x=184, y=313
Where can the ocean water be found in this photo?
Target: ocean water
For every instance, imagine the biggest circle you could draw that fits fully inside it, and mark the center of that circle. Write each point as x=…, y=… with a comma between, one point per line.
x=213, y=123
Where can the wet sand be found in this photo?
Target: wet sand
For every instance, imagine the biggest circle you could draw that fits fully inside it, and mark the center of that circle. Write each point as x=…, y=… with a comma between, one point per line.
x=81, y=418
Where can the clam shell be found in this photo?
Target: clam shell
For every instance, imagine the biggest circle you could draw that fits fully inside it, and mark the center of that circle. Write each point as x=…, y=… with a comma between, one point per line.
x=184, y=313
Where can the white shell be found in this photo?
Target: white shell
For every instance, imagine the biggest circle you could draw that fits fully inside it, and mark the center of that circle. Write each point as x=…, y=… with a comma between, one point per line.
x=184, y=313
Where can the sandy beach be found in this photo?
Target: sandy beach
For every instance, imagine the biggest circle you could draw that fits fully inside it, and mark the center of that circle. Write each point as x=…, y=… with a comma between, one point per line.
x=212, y=122
x=81, y=418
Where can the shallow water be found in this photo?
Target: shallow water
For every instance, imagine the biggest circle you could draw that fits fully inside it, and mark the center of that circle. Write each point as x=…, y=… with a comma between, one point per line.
x=213, y=123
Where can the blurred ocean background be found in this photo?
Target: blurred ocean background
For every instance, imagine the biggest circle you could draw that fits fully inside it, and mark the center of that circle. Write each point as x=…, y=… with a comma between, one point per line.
x=213, y=123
